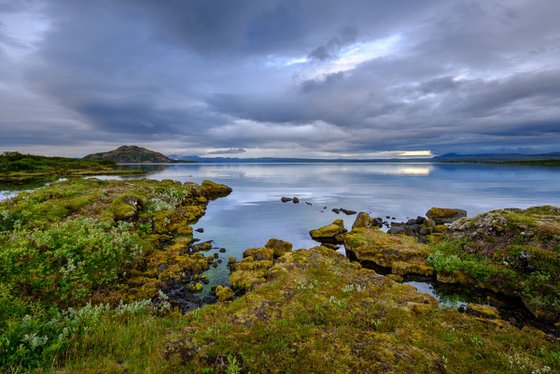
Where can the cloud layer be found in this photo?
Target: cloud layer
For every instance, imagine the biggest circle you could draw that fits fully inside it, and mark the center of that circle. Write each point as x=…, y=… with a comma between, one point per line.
x=291, y=77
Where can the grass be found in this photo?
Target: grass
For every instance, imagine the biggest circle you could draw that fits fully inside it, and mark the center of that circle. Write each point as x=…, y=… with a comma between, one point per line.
x=320, y=313
x=17, y=167
x=72, y=252
x=513, y=252
x=82, y=290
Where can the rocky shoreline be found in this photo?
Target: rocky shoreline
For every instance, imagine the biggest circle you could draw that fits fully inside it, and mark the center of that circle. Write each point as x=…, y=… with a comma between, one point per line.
x=301, y=307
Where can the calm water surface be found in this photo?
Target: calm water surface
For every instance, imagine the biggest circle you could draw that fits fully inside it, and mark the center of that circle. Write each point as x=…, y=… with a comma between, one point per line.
x=253, y=212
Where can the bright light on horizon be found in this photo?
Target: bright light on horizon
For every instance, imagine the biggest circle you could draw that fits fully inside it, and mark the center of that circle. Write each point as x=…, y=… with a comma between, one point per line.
x=415, y=153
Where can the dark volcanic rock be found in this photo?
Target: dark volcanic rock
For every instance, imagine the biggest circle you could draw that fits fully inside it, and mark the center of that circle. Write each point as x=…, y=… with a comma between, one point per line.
x=295, y=200
x=348, y=212
x=285, y=199
x=397, y=229
x=200, y=230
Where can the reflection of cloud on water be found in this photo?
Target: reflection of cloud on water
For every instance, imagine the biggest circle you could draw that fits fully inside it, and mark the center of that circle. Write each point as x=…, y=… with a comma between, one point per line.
x=415, y=170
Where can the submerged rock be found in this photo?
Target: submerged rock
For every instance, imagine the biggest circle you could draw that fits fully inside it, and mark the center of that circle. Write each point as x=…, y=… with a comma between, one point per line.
x=445, y=215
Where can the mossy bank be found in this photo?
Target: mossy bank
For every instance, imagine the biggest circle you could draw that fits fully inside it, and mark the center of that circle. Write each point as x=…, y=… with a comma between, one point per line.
x=90, y=241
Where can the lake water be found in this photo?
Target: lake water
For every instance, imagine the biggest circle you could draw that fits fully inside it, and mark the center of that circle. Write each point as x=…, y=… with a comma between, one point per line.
x=253, y=213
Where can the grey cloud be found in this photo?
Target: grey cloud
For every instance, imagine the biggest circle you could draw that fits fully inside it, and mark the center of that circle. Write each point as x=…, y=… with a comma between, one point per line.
x=229, y=151
x=232, y=75
x=331, y=49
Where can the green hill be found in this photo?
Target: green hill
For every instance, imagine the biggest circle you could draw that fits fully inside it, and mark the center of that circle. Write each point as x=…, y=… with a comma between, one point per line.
x=130, y=154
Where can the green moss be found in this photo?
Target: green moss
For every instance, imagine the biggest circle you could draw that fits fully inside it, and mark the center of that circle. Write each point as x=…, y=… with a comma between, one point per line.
x=403, y=254
x=511, y=251
x=314, y=309
x=87, y=240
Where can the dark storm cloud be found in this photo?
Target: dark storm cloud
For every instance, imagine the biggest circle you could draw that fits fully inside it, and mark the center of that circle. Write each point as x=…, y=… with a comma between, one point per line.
x=331, y=49
x=329, y=76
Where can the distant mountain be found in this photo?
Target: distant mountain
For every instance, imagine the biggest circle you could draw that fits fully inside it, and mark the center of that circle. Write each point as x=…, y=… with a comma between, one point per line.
x=504, y=157
x=130, y=154
x=272, y=160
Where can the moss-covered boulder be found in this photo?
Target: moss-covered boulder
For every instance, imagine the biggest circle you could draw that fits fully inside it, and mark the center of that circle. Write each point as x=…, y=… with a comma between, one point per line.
x=256, y=262
x=445, y=215
x=332, y=233
x=317, y=312
x=402, y=254
x=511, y=251
x=279, y=247
x=365, y=221
x=224, y=293
x=212, y=190
x=483, y=311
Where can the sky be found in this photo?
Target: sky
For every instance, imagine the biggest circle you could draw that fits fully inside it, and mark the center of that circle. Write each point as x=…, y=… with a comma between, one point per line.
x=281, y=78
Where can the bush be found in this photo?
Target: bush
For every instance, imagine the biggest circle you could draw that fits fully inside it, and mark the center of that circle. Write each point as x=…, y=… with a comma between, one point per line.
x=67, y=261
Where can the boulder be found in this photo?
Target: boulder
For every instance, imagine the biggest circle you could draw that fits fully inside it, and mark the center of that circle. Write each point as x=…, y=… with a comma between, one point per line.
x=401, y=254
x=445, y=215
x=483, y=311
x=332, y=233
x=285, y=199
x=224, y=293
x=295, y=200
x=364, y=221
x=278, y=246
x=212, y=190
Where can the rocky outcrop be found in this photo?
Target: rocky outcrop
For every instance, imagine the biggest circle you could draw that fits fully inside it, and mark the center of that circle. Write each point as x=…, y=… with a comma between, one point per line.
x=318, y=312
x=445, y=215
x=364, y=221
x=214, y=190
x=256, y=262
x=279, y=247
x=511, y=251
x=331, y=234
x=400, y=254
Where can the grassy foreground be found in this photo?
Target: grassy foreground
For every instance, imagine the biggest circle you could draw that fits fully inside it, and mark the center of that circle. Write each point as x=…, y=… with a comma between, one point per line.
x=85, y=267
x=75, y=252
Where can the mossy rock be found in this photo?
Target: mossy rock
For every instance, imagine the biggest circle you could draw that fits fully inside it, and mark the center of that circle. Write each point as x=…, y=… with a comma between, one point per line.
x=515, y=252
x=260, y=254
x=195, y=287
x=483, y=311
x=445, y=215
x=402, y=254
x=279, y=247
x=212, y=190
x=315, y=311
x=224, y=293
x=331, y=233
